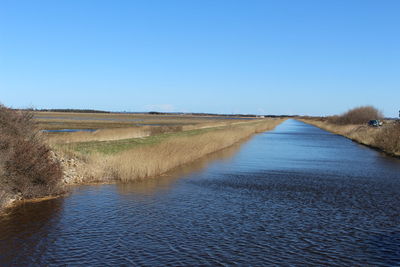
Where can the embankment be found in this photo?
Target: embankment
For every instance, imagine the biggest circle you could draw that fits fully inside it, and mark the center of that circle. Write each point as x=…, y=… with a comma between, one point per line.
x=385, y=138
x=27, y=167
x=131, y=159
x=135, y=159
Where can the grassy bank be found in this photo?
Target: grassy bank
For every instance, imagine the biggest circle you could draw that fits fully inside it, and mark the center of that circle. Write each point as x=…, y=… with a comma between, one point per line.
x=139, y=158
x=385, y=138
x=37, y=165
x=112, y=134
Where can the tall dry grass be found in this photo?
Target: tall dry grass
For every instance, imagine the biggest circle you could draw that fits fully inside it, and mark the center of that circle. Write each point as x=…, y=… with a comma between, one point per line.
x=152, y=160
x=360, y=133
x=99, y=135
x=388, y=138
x=205, y=125
x=153, y=185
x=71, y=120
x=385, y=138
x=127, y=133
x=353, y=124
x=110, y=134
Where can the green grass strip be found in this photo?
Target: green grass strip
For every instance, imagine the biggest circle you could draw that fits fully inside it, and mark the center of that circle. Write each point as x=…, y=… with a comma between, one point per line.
x=116, y=146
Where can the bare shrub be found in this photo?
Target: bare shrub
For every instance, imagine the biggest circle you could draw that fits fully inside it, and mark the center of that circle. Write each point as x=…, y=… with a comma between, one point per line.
x=27, y=167
x=359, y=115
x=3, y=198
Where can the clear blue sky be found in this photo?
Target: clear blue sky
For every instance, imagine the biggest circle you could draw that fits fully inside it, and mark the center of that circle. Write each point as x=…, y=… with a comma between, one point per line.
x=274, y=57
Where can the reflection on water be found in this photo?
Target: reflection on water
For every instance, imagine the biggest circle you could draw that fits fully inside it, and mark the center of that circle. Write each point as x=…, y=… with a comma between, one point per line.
x=23, y=230
x=69, y=130
x=161, y=183
x=294, y=196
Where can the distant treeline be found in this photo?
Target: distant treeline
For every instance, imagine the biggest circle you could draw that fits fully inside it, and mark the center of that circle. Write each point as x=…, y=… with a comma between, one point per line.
x=73, y=110
x=219, y=115
x=162, y=113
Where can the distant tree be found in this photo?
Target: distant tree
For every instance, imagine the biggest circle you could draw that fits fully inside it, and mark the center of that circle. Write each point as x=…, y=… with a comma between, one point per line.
x=359, y=115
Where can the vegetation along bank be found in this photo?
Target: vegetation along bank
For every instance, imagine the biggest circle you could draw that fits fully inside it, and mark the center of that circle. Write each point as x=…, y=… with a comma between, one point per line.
x=354, y=125
x=34, y=164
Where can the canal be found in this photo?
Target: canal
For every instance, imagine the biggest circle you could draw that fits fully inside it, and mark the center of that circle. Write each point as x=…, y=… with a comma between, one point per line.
x=296, y=195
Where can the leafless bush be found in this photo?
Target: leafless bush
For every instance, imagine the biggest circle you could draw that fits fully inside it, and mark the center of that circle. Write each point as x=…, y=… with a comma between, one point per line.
x=359, y=115
x=27, y=167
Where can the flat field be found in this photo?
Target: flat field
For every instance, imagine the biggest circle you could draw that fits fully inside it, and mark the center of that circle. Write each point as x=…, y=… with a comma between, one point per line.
x=70, y=127
x=126, y=147
x=73, y=120
x=136, y=158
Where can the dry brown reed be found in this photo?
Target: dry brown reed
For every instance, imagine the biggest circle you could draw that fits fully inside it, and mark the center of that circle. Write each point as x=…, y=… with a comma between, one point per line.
x=149, y=161
x=388, y=138
x=99, y=135
x=71, y=120
x=385, y=138
x=110, y=134
x=208, y=125
x=126, y=133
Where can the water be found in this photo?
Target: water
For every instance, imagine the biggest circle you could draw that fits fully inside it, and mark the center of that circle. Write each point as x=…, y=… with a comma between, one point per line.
x=84, y=118
x=297, y=195
x=127, y=119
x=69, y=130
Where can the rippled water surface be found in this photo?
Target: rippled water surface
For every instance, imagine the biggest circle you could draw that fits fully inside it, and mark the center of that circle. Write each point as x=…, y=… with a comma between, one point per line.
x=297, y=195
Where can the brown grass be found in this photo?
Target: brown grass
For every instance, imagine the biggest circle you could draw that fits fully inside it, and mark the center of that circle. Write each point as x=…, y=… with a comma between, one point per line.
x=126, y=133
x=388, y=138
x=152, y=160
x=353, y=124
x=71, y=120
x=385, y=138
x=166, y=180
x=99, y=135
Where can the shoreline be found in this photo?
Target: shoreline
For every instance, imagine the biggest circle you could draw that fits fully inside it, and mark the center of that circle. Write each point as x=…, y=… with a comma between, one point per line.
x=348, y=131
x=99, y=169
x=112, y=162
x=13, y=203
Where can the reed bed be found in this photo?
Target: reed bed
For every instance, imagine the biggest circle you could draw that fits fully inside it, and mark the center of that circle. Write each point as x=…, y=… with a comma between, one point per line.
x=152, y=160
x=127, y=133
x=99, y=135
x=110, y=134
x=386, y=138
x=71, y=120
